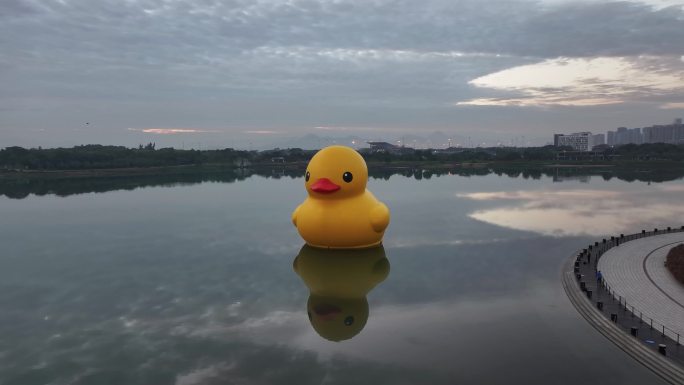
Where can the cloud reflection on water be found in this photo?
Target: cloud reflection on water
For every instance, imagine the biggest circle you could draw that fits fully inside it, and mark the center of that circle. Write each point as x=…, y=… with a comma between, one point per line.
x=582, y=211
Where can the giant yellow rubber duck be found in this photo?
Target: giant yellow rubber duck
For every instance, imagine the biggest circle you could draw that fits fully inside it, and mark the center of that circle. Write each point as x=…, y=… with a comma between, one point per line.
x=339, y=281
x=339, y=212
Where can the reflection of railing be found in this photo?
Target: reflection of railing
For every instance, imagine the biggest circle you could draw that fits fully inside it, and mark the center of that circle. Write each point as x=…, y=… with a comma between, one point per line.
x=590, y=257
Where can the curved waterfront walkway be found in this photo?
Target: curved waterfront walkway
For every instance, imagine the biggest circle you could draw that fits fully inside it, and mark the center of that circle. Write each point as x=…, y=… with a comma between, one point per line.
x=636, y=270
x=628, y=322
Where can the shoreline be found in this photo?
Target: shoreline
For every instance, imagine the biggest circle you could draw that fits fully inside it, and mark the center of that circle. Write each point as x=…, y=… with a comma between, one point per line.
x=425, y=165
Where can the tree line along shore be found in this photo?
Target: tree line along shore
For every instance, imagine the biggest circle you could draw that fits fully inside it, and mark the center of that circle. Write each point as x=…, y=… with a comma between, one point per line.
x=100, y=157
x=21, y=185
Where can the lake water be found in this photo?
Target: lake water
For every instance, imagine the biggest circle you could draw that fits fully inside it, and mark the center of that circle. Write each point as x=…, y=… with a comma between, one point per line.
x=193, y=283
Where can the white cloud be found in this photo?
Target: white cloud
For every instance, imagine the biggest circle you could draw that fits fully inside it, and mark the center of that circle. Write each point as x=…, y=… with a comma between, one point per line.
x=581, y=212
x=169, y=131
x=261, y=132
x=673, y=106
x=583, y=82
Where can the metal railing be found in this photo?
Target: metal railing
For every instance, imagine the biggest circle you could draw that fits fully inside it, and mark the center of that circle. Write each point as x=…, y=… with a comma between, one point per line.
x=595, y=252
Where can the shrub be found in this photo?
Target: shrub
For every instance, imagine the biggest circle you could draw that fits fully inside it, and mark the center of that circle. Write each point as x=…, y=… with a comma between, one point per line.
x=675, y=262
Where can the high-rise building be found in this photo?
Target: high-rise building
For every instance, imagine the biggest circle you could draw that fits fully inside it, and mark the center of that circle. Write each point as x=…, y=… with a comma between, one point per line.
x=678, y=131
x=621, y=136
x=647, y=134
x=670, y=133
x=662, y=134
x=579, y=141
x=634, y=136
x=625, y=135
x=598, y=139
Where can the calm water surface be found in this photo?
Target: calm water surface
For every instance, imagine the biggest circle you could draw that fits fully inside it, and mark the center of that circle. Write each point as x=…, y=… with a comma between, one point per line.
x=194, y=284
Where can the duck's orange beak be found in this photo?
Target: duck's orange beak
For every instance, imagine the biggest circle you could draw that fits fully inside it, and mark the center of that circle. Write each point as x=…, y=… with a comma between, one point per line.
x=326, y=311
x=324, y=186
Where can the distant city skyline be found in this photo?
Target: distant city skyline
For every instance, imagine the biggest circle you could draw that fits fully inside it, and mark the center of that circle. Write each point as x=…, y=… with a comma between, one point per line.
x=672, y=133
x=204, y=74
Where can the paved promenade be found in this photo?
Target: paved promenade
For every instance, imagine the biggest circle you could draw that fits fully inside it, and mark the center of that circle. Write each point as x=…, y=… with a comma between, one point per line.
x=635, y=271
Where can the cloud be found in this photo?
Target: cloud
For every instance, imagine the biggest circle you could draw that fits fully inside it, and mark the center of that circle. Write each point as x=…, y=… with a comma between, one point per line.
x=580, y=212
x=673, y=106
x=261, y=132
x=656, y=4
x=544, y=195
x=170, y=131
x=350, y=63
x=346, y=128
x=584, y=82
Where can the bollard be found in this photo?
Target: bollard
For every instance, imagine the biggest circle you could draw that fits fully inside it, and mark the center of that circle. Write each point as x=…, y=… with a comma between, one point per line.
x=599, y=305
x=622, y=235
x=669, y=229
x=578, y=276
x=634, y=331
x=655, y=230
x=613, y=317
x=604, y=240
x=589, y=294
x=576, y=270
x=662, y=349
x=595, y=243
x=643, y=231
x=583, y=286
x=576, y=263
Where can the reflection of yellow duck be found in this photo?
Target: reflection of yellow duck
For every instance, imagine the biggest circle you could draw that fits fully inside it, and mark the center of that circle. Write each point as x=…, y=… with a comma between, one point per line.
x=339, y=212
x=339, y=281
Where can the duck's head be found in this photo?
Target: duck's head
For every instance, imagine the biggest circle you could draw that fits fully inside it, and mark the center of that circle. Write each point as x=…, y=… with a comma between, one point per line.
x=336, y=172
x=337, y=319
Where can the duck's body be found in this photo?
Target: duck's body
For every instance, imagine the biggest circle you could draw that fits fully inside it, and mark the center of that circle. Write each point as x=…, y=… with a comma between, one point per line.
x=339, y=281
x=341, y=273
x=354, y=222
x=339, y=212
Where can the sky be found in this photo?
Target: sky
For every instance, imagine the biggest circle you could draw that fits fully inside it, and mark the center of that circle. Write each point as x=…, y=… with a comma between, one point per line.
x=270, y=73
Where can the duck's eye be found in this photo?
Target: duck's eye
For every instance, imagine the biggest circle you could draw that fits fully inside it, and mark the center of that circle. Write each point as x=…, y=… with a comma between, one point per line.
x=349, y=320
x=347, y=176
x=307, y=176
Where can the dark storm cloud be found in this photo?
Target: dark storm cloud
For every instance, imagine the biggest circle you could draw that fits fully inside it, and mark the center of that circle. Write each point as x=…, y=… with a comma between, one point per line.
x=196, y=63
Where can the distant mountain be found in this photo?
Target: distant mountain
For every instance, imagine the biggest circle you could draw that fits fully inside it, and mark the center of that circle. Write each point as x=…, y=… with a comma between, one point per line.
x=436, y=139
x=313, y=141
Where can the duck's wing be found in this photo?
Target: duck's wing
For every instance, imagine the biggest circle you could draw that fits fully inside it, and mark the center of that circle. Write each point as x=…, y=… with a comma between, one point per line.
x=294, y=215
x=380, y=217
